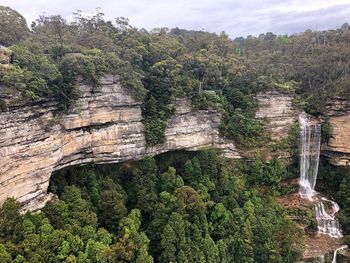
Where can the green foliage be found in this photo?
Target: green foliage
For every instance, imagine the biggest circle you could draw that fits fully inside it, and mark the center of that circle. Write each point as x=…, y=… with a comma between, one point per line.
x=288, y=87
x=206, y=211
x=246, y=130
x=266, y=173
x=154, y=130
x=22, y=80
x=326, y=131
x=3, y=105
x=131, y=246
x=289, y=144
x=342, y=198
x=13, y=26
x=89, y=67
x=313, y=64
x=111, y=207
x=10, y=221
x=238, y=121
x=5, y=257
x=155, y=67
x=36, y=63
x=304, y=216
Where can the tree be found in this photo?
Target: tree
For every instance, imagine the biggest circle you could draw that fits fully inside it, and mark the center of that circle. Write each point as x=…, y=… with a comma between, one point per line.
x=51, y=30
x=173, y=240
x=5, y=257
x=111, y=209
x=144, y=180
x=168, y=244
x=13, y=26
x=188, y=201
x=79, y=209
x=10, y=220
x=132, y=245
x=96, y=251
x=57, y=212
x=169, y=181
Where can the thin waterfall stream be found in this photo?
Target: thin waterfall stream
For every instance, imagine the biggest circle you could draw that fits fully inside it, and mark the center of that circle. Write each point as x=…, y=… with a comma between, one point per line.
x=326, y=210
x=336, y=251
x=310, y=140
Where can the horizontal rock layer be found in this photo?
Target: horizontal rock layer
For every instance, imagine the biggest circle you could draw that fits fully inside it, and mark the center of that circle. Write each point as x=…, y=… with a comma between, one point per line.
x=104, y=126
x=337, y=150
x=277, y=109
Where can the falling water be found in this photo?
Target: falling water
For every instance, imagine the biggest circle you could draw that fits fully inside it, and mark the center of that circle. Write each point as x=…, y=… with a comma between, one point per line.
x=310, y=138
x=336, y=251
x=327, y=222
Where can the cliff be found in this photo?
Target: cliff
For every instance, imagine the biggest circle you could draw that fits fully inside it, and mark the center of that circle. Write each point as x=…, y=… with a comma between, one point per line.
x=104, y=126
x=337, y=150
x=277, y=110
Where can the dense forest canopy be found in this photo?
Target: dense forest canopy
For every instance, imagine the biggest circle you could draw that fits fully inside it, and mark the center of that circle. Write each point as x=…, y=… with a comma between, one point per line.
x=157, y=66
x=319, y=61
x=181, y=207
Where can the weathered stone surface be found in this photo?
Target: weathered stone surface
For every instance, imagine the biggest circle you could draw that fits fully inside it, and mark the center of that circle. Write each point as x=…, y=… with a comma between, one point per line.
x=338, y=148
x=103, y=127
x=5, y=55
x=278, y=111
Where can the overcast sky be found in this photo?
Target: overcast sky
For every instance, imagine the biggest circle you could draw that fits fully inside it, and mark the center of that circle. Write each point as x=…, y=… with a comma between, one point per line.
x=235, y=17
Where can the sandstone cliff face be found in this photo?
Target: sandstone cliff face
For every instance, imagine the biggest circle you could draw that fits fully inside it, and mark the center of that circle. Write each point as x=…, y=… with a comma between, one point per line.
x=338, y=148
x=103, y=127
x=277, y=109
x=278, y=113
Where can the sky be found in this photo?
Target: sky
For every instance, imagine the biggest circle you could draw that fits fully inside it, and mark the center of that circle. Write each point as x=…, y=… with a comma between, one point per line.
x=235, y=17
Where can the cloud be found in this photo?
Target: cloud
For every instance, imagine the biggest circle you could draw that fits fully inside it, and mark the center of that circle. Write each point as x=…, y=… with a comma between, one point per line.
x=236, y=17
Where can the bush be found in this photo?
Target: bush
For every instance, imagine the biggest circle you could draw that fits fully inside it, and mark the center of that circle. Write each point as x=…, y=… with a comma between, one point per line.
x=266, y=173
x=241, y=127
x=326, y=131
x=154, y=131
x=3, y=105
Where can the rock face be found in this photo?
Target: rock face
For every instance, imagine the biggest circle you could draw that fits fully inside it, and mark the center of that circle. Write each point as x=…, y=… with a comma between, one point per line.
x=278, y=111
x=103, y=127
x=338, y=149
x=5, y=55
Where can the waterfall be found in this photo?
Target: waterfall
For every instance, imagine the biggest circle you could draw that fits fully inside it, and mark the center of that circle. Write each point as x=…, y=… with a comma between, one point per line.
x=327, y=223
x=310, y=139
x=336, y=251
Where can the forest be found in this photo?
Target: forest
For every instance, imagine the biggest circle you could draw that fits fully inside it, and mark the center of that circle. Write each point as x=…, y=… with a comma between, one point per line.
x=181, y=206
x=178, y=207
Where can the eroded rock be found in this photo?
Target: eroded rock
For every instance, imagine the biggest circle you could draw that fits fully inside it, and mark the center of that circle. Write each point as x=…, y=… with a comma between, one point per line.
x=104, y=126
x=337, y=150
